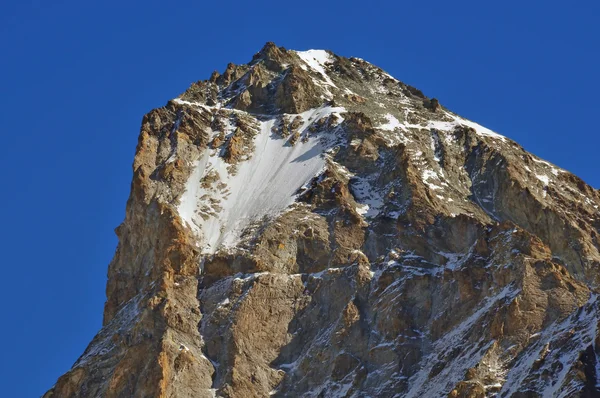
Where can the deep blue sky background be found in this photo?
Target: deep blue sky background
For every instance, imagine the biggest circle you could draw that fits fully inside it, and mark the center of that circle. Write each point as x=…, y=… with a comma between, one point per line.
x=76, y=77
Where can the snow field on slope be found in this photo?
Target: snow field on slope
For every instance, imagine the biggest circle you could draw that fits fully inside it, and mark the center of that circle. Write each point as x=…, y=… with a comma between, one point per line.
x=263, y=186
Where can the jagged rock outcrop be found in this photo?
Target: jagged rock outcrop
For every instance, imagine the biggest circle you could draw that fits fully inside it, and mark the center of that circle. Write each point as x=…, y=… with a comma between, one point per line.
x=308, y=226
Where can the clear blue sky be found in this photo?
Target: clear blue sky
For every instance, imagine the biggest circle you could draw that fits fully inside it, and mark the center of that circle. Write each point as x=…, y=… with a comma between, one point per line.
x=76, y=77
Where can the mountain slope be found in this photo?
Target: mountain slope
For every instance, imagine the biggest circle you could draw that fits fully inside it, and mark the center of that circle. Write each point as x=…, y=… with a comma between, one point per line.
x=307, y=225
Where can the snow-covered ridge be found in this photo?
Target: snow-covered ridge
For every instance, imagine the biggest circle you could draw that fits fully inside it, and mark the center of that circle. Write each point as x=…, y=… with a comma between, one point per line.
x=394, y=124
x=317, y=59
x=263, y=186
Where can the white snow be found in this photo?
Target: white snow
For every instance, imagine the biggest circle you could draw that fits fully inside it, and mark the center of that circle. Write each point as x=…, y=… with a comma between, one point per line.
x=316, y=59
x=263, y=186
x=392, y=123
x=480, y=129
x=355, y=142
x=198, y=104
x=435, y=143
x=370, y=200
x=224, y=302
x=543, y=178
x=553, y=169
x=362, y=209
x=183, y=347
x=428, y=175
x=449, y=126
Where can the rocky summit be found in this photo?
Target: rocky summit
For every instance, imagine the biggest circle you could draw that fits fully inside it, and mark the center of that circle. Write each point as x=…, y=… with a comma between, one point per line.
x=306, y=225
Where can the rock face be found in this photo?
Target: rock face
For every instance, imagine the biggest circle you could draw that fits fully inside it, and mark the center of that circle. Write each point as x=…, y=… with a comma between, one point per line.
x=308, y=226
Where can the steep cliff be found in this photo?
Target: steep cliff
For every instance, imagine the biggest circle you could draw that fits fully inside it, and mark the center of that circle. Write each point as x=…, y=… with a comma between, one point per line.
x=306, y=225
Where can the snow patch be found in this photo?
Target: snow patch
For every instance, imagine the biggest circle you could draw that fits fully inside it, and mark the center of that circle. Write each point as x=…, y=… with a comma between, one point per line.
x=370, y=200
x=428, y=175
x=362, y=209
x=316, y=60
x=263, y=186
x=392, y=123
x=543, y=178
x=459, y=121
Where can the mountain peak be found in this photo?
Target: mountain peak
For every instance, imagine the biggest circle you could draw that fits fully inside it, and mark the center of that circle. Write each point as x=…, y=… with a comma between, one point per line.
x=308, y=225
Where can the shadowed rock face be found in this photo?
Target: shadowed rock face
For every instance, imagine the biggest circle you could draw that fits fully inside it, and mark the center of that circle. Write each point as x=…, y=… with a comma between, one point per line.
x=306, y=225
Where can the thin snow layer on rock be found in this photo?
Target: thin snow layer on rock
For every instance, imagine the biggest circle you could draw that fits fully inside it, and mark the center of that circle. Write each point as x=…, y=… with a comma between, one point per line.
x=392, y=123
x=369, y=199
x=396, y=126
x=316, y=59
x=581, y=329
x=458, y=121
x=431, y=175
x=421, y=383
x=263, y=186
x=543, y=178
x=552, y=168
x=123, y=321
